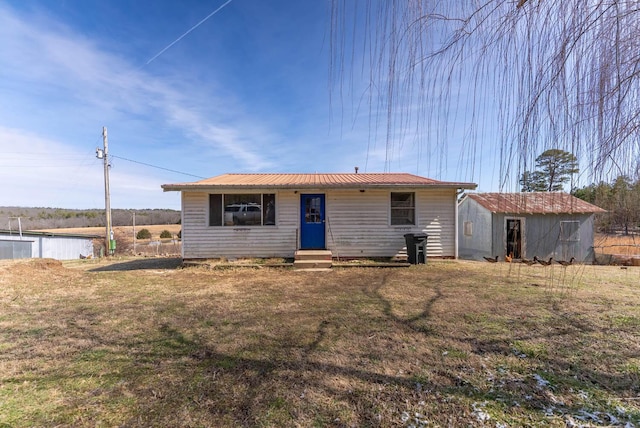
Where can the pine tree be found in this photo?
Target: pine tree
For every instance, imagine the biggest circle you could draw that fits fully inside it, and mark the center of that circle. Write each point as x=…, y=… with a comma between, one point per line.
x=554, y=168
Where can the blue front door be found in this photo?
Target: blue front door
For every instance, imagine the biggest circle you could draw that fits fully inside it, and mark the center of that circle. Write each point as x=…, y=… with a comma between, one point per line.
x=312, y=232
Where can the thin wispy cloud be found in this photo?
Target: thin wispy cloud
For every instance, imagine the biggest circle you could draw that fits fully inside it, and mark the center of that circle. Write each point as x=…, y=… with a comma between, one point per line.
x=41, y=60
x=103, y=79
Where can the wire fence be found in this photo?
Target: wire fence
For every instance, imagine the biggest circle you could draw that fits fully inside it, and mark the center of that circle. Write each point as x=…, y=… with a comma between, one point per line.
x=158, y=248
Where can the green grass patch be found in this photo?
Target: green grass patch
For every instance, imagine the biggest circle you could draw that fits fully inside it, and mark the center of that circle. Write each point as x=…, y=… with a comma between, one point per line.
x=536, y=350
x=632, y=366
x=625, y=321
x=455, y=353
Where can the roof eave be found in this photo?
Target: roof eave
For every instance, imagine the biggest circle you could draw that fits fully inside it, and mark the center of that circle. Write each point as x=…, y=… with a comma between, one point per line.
x=48, y=233
x=545, y=213
x=354, y=186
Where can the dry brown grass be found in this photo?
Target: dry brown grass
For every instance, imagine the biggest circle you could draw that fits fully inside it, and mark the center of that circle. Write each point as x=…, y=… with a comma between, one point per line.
x=138, y=342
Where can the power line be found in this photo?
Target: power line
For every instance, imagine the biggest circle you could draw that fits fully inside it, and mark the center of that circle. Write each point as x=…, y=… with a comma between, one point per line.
x=155, y=166
x=187, y=32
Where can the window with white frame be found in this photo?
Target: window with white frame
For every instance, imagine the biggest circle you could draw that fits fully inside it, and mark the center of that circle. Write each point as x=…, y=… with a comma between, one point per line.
x=242, y=209
x=570, y=231
x=403, y=208
x=468, y=228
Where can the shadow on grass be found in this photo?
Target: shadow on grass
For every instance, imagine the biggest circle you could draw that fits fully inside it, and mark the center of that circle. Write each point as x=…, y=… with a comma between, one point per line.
x=141, y=264
x=188, y=367
x=251, y=391
x=237, y=390
x=527, y=393
x=415, y=322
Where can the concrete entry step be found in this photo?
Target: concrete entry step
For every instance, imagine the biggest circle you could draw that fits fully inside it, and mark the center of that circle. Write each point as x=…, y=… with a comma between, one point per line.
x=313, y=255
x=312, y=264
x=313, y=259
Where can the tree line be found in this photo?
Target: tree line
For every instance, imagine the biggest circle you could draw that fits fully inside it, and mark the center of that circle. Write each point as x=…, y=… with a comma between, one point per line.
x=57, y=218
x=620, y=197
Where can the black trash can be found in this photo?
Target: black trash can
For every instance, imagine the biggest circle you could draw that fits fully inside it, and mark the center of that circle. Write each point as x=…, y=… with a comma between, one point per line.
x=416, y=247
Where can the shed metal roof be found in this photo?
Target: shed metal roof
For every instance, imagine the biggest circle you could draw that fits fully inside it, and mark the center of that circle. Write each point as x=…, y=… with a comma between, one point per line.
x=534, y=203
x=335, y=180
x=6, y=232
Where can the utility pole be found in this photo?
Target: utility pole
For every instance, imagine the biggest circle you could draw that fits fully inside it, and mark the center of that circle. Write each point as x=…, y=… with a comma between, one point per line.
x=19, y=226
x=104, y=155
x=134, y=232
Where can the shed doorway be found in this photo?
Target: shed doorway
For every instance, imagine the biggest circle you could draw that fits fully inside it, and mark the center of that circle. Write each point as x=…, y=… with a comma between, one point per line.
x=514, y=238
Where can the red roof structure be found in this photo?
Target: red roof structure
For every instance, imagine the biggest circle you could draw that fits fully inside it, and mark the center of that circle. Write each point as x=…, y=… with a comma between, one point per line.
x=534, y=203
x=317, y=180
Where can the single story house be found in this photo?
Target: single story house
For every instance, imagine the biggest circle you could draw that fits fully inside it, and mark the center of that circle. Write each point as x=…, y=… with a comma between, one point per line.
x=352, y=215
x=524, y=225
x=38, y=244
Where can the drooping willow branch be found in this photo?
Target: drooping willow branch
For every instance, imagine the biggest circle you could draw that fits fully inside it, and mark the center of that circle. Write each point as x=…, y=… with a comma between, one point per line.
x=536, y=74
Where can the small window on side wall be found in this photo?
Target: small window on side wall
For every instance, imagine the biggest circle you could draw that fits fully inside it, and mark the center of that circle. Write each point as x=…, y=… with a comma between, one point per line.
x=468, y=228
x=403, y=208
x=569, y=231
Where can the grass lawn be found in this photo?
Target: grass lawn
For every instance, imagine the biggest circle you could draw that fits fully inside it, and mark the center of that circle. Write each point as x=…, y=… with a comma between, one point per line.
x=141, y=342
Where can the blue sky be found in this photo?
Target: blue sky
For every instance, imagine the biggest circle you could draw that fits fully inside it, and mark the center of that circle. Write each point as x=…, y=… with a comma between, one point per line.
x=246, y=91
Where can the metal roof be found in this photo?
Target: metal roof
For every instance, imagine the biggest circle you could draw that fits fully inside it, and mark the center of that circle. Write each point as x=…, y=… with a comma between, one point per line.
x=5, y=232
x=335, y=180
x=534, y=203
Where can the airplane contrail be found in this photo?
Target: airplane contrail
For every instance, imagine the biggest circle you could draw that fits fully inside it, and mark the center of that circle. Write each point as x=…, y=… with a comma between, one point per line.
x=188, y=31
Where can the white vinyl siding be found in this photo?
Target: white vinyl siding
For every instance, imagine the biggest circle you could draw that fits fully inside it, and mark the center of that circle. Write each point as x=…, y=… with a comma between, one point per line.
x=357, y=225
x=436, y=215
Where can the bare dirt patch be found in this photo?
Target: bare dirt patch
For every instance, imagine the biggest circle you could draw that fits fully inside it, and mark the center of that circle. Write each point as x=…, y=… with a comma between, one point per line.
x=451, y=343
